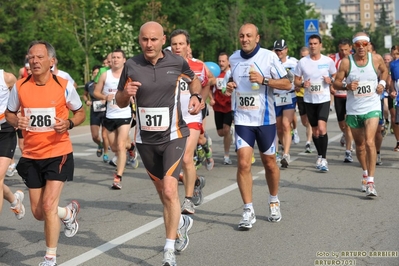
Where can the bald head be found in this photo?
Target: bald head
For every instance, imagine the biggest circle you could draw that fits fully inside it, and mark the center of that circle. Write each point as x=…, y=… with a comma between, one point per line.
x=152, y=26
x=151, y=39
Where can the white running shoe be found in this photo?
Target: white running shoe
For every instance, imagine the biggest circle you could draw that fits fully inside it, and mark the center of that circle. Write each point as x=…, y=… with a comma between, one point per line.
x=169, y=258
x=318, y=163
x=348, y=157
x=182, y=240
x=364, y=184
x=19, y=209
x=370, y=190
x=297, y=139
x=274, y=212
x=324, y=166
x=227, y=161
x=247, y=220
x=11, y=171
x=71, y=225
x=48, y=262
x=285, y=161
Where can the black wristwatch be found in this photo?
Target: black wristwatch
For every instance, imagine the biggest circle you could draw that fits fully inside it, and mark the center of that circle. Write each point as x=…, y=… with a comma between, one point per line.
x=265, y=81
x=71, y=124
x=199, y=97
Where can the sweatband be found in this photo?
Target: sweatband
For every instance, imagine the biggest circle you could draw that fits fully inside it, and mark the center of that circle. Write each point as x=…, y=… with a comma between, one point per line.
x=383, y=83
x=361, y=38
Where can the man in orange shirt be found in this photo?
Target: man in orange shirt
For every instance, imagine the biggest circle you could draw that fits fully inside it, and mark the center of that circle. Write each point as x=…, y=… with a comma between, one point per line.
x=47, y=158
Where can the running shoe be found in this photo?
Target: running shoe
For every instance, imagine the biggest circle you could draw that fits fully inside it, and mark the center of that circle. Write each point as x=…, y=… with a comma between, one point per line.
x=297, y=139
x=113, y=161
x=370, y=190
x=210, y=163
x=19, y=209
x=227, y=161
x=71, y=225
x=324, y=166
x=253, y=159
x=383, y=132
x=318, y=163
x=99, y=151
x=274, y=212
x=348, y=157
x=48, y=261
x=307, y=148
x=11, y=171
x=105, y=158
x=379, y=161
x=182, y=239
x=117, y=183
x=247, y=220
x=342, y=141
x=285, y=161
x=132, y=158
x=187, y=207
x=396, y=148
x=391, y=130
x=364, y=183
x=169, y=258
x=200, y=154
x=198, y=197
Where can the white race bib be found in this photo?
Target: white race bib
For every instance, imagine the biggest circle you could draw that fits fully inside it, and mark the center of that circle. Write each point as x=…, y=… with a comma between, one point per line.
x=316, y=88
x=98, y=106
x=283, y=99
x=184, y=88
x=40, y=119
x=154, y=118
x=365, y=89
x=247, y=101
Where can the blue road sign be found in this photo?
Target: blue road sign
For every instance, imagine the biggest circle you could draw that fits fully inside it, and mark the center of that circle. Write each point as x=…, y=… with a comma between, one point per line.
x=311, y=26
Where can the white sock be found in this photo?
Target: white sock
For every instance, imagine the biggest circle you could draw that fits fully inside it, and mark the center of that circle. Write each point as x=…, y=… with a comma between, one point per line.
x=169, y=244
x=273, y=198
x=370, y=179
x=249, y=206
x=64, y=213
x=365, y=173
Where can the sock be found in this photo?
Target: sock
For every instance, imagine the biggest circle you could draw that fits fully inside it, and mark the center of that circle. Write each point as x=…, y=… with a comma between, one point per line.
x=181, y=222
x=348, y=151
x=64, y=213
x=316, y=144
x=365, y=173
x=249, y=206
x=226, y=157
x=323, y=142
x=370, y=179
x=169, y=244
x=51, y=252
x=273, y=198
x=13, y=165
x=189, y=198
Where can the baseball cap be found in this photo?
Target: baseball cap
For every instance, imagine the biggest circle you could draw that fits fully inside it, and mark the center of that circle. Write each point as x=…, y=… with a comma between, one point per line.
x=280, y=44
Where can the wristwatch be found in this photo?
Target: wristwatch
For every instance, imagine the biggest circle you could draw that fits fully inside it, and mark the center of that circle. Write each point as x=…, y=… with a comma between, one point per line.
x=199, y=97
x=265, y=81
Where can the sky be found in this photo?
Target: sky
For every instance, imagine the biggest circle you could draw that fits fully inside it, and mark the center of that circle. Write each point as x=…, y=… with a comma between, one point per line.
x=334, y=4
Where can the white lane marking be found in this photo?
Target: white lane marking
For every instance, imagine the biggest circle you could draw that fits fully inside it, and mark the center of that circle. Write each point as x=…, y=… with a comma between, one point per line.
x=81, y=154
x=139, y=231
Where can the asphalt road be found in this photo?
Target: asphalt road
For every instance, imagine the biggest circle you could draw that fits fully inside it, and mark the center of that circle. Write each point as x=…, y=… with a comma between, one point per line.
x=326, y=219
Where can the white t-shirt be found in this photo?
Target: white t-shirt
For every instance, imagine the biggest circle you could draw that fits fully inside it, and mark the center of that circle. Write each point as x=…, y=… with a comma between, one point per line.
x=315, y=71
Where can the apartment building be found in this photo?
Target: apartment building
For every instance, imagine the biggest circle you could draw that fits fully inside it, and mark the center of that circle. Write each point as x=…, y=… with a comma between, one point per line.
x=367, y=12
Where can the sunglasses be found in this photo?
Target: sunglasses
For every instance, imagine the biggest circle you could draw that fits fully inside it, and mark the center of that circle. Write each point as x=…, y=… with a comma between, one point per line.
x=361, y=43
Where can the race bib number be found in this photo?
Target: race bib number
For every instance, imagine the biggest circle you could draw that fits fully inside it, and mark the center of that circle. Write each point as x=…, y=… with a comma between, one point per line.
x=40, y=119
x=248, y=101
x=219, y=83
x=183, y=86
x=365, y=89
x=316, y=88
x=283, y=99
x=154, y=119
x=98, y=106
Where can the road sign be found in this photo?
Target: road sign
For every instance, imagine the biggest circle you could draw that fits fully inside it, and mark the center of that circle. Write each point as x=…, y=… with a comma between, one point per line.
x=311, y=26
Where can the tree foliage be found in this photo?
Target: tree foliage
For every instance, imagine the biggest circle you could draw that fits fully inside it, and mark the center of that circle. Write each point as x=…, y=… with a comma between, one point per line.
x=83, y=32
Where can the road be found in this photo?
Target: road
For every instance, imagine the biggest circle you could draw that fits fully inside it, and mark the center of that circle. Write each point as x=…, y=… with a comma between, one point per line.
x=326, y=219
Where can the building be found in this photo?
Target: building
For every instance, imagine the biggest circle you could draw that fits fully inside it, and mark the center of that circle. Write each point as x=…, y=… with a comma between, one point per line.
x=367, y=12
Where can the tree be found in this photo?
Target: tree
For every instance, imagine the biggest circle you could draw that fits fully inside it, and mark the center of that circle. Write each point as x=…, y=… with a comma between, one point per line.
x=340, y=29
